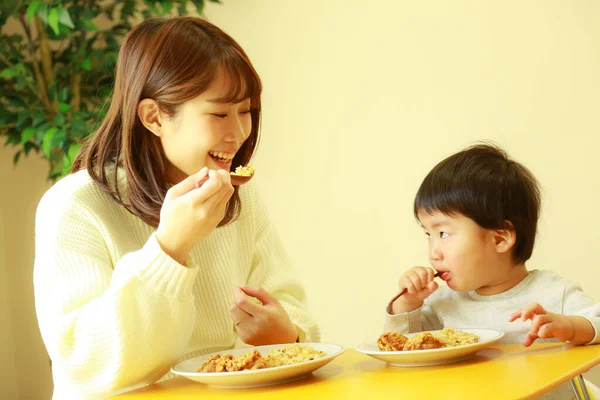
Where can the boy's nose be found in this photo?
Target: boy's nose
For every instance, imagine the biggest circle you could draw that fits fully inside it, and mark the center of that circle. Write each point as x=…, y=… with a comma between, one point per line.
x=434, y=253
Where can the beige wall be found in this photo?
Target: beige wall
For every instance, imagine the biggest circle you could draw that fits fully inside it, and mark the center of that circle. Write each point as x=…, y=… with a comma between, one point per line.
x=361, y=99
x=24, y=370
x=9, y=387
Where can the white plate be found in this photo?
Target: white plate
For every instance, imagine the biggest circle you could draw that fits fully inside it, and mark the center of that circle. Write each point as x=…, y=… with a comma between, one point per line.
x=422, y=358
x=259, y=377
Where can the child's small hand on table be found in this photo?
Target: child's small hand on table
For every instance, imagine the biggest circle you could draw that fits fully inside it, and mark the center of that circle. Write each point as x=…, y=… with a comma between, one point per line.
x=419, y=284
x=546, y=325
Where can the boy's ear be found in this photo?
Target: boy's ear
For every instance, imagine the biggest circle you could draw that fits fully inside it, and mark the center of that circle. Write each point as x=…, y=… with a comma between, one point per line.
x=149, y=114
x=505, y=239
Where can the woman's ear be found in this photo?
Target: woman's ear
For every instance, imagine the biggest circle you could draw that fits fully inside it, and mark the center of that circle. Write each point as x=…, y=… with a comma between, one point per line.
x=149, y=114
x=505, y=239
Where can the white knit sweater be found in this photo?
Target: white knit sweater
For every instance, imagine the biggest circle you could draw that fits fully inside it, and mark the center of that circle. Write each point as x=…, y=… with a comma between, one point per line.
x=116, y=312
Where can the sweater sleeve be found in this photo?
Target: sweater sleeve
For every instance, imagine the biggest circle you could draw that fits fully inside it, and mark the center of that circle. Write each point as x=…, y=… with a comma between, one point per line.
x=576, y=302
x=421, y=319
x=272, y=270
x=106, y=325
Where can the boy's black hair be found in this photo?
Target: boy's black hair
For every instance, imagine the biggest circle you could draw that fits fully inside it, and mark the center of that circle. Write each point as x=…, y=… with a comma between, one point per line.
x=485, y=185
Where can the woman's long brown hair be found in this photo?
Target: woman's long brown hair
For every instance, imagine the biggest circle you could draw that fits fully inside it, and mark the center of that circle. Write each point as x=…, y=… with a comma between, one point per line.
x=171, y=61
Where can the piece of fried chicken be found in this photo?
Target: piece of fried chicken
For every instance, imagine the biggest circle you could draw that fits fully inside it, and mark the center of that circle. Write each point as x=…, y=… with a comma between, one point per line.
x=250, y=360
x=391, y=341
x=423, y=341
x=229, y=363
x=216, y=363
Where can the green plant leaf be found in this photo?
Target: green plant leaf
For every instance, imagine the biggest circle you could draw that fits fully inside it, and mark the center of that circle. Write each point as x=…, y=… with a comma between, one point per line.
x=88, y=24
x=87, y=64
x=199, y=5
x=59, y=139
x=28, y=147
x=73, y=151
x=63, y=94
x=22, y=117
x=64, y=107
x=128, y=9
x=37, y=118
x=59, y=119
x=8, y=73
x=64, y=18
x=47, y=141
x=27, y=134
x=53, y=20
x=11, y=140
x=39, y=135
x=66, y=165
x=78, y=128
x=57, y=168
x=33, y=7
x=42, y=12
x=166, y=6
x=21, y=83
x=16, y=157
x=16, y=38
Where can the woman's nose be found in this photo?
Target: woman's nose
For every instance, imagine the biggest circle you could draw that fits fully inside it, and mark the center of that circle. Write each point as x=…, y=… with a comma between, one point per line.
x=236, y=131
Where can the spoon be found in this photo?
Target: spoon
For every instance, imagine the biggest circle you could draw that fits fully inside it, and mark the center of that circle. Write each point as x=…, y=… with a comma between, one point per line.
x=237, y=179
x=241, y=175
x=437, y=275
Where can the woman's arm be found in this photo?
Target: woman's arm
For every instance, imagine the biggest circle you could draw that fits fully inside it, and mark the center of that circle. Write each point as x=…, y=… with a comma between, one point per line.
x=106, y=327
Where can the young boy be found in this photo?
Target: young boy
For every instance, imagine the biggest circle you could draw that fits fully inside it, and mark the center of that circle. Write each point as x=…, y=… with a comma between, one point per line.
x=479, y=210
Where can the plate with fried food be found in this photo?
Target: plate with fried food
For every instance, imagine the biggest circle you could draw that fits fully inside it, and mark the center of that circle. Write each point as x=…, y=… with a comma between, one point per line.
x=259, y=365
x=427, y=348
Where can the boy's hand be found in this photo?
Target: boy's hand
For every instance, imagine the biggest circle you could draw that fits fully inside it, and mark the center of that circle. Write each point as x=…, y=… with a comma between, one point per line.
x=546, y=325
x=419, y=284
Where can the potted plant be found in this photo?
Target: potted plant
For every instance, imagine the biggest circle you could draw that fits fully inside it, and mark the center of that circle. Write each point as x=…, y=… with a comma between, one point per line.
x=56, y=70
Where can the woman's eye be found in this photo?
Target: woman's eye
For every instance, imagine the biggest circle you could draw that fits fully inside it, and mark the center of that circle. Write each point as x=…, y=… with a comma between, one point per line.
x=443, y=235
x=427, y=235
x=219, y=115
x=246, y=112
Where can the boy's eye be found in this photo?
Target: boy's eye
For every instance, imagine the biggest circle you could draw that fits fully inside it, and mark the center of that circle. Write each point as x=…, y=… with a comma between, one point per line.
x=219, y=115
x=427, y=234
x=245, y=112
x=443, y=235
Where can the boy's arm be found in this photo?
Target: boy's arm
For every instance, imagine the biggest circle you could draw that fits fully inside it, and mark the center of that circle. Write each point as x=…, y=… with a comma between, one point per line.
x=578, y=321
x=423, y=318
x=583, y=312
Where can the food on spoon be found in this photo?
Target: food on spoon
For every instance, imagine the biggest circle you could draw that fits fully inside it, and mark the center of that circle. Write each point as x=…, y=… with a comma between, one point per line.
x=243, y=171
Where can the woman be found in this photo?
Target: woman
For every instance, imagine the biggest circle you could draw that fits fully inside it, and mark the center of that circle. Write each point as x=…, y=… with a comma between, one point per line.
x=148, y=253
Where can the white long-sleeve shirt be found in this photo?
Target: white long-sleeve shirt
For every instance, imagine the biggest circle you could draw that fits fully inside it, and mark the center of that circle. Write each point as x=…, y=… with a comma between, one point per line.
x=116, y=312
x=448, y=308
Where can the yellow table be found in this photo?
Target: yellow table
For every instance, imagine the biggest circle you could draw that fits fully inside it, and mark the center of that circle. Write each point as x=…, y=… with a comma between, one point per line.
x=498, y=372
